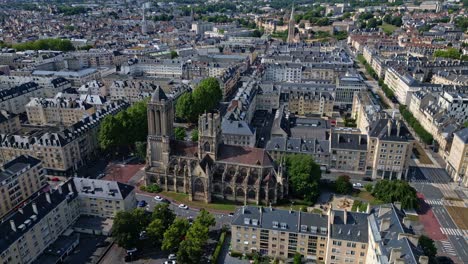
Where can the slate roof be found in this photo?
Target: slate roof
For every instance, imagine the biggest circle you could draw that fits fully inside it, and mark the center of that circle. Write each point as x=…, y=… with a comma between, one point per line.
x=349, y=141
x=237, y=127
x=18, y=90
x=355, y=229
x=16, y=165
x=282, y=220
x=298, y=145
x=29, y=218
x=380, y=129
x=463, y=135
x=158, y=95
x=244, y=155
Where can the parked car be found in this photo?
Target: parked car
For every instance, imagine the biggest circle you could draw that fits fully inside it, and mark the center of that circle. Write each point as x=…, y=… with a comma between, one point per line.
x=172, y=257
x=367, y=179
x=170, y=262
x=231, y=214
x=158, y=198
x=357, y=185
x=142, y=203
x=131, y=255
x=183, y=206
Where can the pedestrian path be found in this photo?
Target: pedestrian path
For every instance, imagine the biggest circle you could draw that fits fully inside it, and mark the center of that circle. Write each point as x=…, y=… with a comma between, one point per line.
x=448, y=248
x=446, y=190
x=454, y=232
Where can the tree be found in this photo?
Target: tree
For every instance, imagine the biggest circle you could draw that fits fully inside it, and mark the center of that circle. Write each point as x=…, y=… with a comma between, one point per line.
x=191, y=249
x=110, y=133
x=428, y=246
x=368, y=187
x=185, y=108
x=164, y=213
x=175, y=234
x=194, y=135
x=343, y=185
x=304, y=175
x=205, y=218
x=140, y=150
x=174, y=54
x=256, y=33
x=297, y=258
x=207, y=95
x=179, y=133
x=155, y=231
x=372, y=23
x=127, y=227
x=450, y=53
x=396, y=191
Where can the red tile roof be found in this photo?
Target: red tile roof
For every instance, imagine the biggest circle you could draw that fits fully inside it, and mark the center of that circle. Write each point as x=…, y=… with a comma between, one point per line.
x=244, y=155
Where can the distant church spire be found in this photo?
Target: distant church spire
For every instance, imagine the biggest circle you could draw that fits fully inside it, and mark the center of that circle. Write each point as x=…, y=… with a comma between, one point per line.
x=291, y=26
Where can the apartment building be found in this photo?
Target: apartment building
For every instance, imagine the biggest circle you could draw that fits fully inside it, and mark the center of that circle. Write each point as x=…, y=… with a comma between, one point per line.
x=61, y=151
x=154, y=67
x=15, y=99
x=26, y=233
x=200, y=27
x=348, y=151
x=457, y=161
x=57, y=111
x=347, y=86
x=279, y=233
x=307, y=103
x=365, y=111
x=76, y=78
x=283, y=72
x=9, y=122
x=104, y=198
x=47, y=216
x=392, y=238
x=347, y=238
x=51, y=84
x=19, y=179
x=401, y=84
x=130, y=91
x=390, y=145
x=319, y=149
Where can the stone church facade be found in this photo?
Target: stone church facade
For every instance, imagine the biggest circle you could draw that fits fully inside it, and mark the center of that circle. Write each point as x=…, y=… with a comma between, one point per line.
x=208, y=169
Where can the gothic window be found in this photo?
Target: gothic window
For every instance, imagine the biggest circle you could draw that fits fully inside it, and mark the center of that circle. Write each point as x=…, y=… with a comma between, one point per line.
x=206, y=147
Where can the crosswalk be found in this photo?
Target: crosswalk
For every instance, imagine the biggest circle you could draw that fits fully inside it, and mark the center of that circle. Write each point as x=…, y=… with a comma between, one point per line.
x=446, y=203
x=448, y=248
x=454, y=232
x=435, y=202
x=446, y=190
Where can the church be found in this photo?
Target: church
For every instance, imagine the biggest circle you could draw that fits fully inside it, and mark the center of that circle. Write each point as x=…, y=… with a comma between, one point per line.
x=208, y=169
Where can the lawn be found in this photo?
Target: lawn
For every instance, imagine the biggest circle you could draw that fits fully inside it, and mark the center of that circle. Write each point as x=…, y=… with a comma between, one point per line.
x=387, y=28
x=421, y=154
x=367, y=196
x=459, y=216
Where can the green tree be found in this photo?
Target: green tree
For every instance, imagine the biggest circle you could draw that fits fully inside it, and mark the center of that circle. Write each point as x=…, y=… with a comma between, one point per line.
x=194, y=135
x=127, y=227
x=396, y=191
x=109, y=135
x=185, y=108
x=450, y=53
x=428, y=247
x=191, y=249
x=372, y=23
x=155, y=231
x=343, y=185
x=175, y=234
x=304, y=175
x=164, y=213
x=140, y=150
x=297, y=258
x=174, y=54
x=256, y=33
x=368, y=187
x=205, y=218
x=207, y=95
x=179, y=133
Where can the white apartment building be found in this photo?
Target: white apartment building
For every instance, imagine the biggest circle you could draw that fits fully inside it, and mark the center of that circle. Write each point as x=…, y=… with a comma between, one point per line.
x=284, y=72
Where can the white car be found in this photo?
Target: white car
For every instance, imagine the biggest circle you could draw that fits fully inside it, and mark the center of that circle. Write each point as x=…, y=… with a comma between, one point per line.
x=158, y=198
x=357, y=185
x=170, y=262
x=183, y=206
x=172, y=257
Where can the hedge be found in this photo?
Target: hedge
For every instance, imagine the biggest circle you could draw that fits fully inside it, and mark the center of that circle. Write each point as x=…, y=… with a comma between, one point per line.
x=425, y=136
x=219, y=247
x=152, y=188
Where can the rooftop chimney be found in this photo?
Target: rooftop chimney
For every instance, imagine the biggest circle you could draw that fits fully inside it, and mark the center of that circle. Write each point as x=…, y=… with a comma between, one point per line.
x=397, y=205
x=243, y=209
x=34, y=207
x=13, y=225
x=21, y=210
x=423, y=260
x=368, y=208
x=345, y=216
x=398, y=127
x=385, y=224
x=60, y=189
x=395, y=254
x=47, y=195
